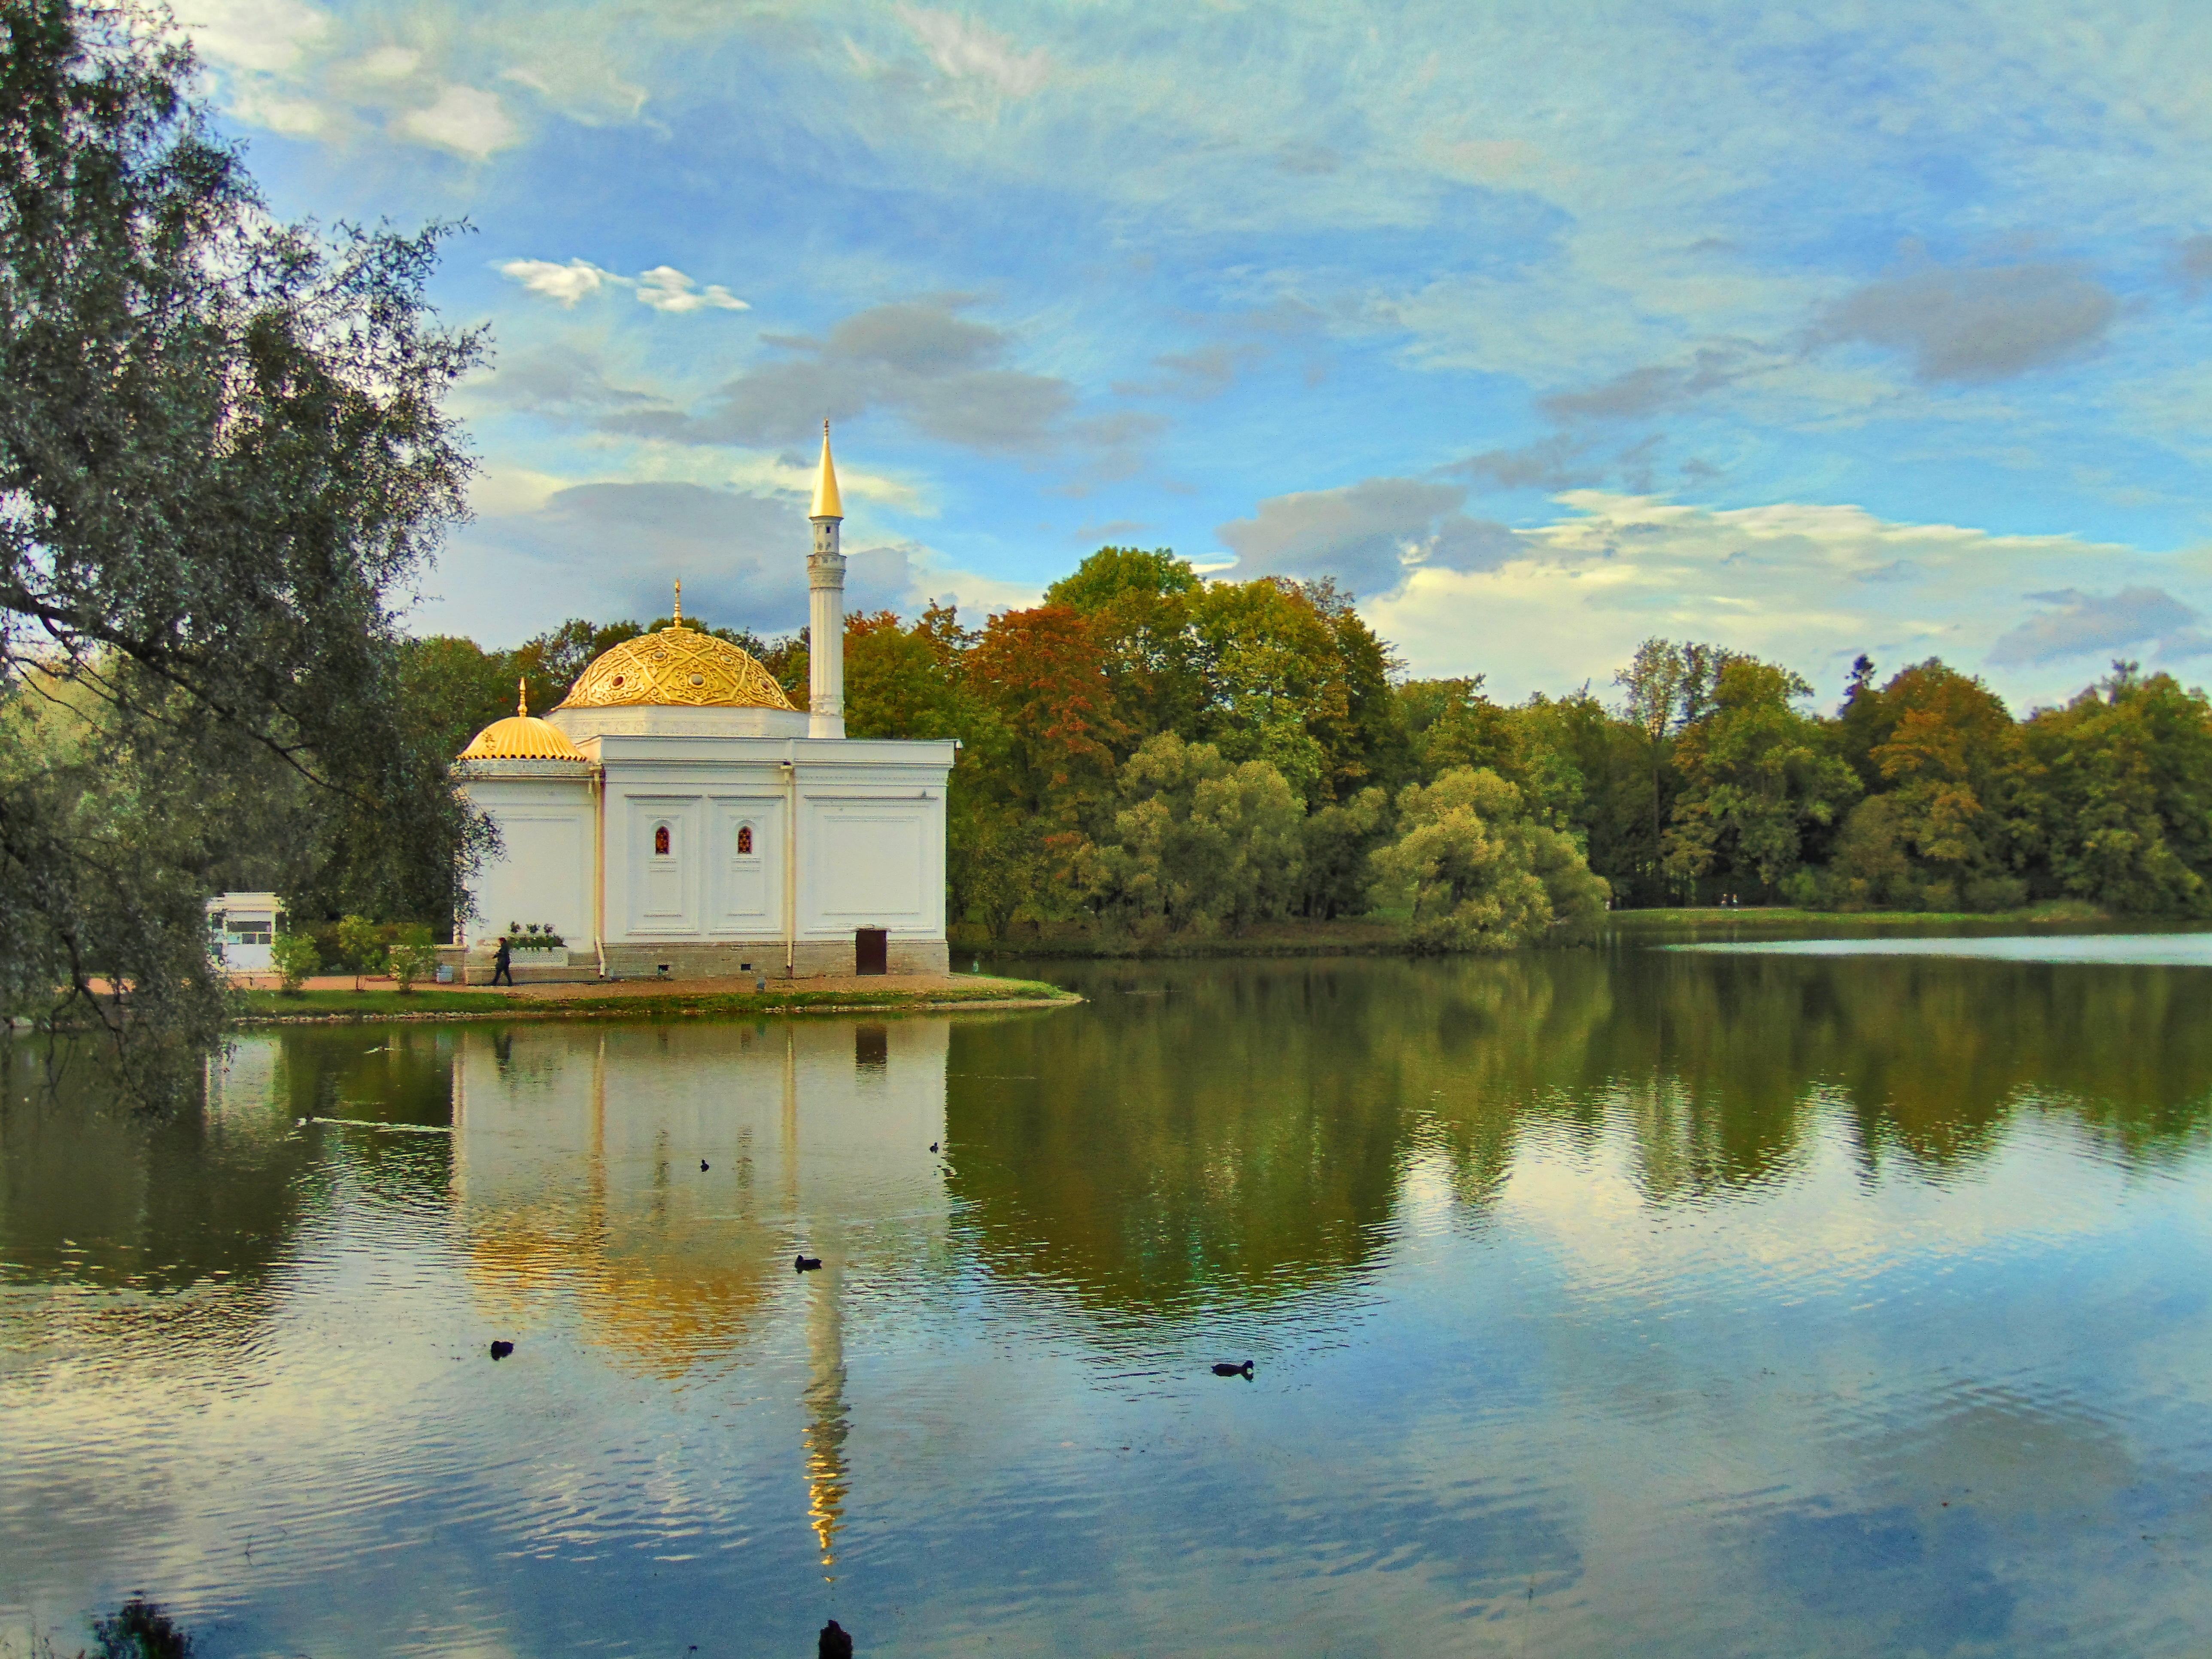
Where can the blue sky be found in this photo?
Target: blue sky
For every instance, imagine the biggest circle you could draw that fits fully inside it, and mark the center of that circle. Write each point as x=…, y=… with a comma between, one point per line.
x=1544, y=328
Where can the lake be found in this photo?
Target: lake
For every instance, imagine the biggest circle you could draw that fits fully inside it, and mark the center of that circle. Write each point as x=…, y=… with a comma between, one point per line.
x=1639, y=1300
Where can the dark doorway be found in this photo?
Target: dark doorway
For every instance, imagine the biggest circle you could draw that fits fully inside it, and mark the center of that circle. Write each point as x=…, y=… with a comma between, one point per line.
x=872, y=950
x=871, y=1046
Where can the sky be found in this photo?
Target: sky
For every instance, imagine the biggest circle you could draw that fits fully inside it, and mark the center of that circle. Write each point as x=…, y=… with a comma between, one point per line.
x=1543, y=329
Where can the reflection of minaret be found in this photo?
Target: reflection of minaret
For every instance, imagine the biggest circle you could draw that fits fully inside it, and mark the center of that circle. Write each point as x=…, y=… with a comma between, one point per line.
x=827, y=1478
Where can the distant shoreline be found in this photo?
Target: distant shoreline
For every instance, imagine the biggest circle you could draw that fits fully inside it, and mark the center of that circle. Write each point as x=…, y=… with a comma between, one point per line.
x=1366, y=936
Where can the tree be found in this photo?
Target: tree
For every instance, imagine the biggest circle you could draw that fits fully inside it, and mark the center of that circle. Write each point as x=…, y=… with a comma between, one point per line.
x=223, y=453
x=2118, y=798
x=1950, y=760
x=1754, y=772
x=295, y=957
x=362, y=942
x=1199, y=842
x=1479, y=875
x=1042, y=673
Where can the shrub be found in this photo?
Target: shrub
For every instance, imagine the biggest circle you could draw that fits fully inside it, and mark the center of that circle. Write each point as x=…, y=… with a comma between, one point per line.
x=295, y=957
x=362, y=942
x=412, y=956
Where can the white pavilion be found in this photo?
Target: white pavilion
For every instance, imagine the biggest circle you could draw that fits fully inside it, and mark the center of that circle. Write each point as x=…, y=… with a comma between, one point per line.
x=676, y=816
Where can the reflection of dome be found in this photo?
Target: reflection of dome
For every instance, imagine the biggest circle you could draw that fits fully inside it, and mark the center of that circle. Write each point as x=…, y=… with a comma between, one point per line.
x=521, y=736
x=680, y=666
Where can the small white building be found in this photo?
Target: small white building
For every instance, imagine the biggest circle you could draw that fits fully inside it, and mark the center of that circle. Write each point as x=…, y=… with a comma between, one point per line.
x=242, y=928
x=675, y=814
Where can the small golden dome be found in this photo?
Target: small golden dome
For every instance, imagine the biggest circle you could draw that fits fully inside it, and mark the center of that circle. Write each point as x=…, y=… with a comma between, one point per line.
x=521, y=737
x=680, y=666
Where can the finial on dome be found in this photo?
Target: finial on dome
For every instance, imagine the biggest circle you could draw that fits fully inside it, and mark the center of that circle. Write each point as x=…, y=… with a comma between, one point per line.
x=828, y=504
x=679, y=622
x=521, y=699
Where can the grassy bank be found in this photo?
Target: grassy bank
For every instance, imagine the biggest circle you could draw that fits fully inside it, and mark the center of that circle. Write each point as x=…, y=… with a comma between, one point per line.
x=672, y=1001
x=2052, y=913
x=1387, y=936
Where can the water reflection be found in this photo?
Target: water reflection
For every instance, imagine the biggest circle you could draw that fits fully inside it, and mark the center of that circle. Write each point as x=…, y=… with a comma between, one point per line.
x=1757, y=1303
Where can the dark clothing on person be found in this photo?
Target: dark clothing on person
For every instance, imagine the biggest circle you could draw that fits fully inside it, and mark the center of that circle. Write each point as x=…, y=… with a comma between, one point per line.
x=502, y=965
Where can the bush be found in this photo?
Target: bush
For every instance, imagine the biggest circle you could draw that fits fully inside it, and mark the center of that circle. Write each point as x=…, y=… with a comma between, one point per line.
x=295, y=957
x=362, y=942
x=412, y=956
x=1995, y=893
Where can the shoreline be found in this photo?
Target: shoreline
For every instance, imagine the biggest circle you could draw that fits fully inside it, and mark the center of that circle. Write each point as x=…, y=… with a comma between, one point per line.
x=654, y=1007
x=338, y=1004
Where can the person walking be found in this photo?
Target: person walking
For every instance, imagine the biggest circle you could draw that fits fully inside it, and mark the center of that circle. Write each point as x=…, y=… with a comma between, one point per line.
x=502, y=963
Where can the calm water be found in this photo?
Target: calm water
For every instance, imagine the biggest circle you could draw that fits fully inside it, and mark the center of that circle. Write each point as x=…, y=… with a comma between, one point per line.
x=1649, y=1302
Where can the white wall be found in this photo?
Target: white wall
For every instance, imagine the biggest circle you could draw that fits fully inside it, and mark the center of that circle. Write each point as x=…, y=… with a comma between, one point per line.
x=543, y=871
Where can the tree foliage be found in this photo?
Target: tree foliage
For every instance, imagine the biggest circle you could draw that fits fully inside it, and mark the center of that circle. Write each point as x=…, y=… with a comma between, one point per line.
x=1479, y=872
x=222, y=457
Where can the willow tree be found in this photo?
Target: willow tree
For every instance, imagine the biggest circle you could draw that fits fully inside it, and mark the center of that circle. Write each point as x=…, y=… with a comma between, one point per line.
x=222, y=459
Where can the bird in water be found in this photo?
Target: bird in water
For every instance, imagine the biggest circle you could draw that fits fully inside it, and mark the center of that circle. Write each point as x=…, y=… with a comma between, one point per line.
x=702, y=1166
x=837, y=1641
x=805, y=1264
x=1226, y=1368
x=500, y=1350
x=933, y=1146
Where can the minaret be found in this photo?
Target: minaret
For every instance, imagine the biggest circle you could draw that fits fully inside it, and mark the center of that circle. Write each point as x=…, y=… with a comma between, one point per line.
x=825, y=609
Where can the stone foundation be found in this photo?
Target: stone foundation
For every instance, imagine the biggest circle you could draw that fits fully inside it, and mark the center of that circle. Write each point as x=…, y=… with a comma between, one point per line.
x=701, y=959
x=810, y=959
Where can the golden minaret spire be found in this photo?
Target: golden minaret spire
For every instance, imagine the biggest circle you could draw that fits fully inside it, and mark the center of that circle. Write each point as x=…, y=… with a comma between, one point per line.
x=678, y=621
x=521, y=699
x=828, y=504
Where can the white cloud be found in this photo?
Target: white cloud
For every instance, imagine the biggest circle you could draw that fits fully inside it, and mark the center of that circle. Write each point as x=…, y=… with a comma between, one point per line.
x=466, y=120
x=563, y=284
x=666, y=289
x=257, y=106
x=391, y=63
x=264, y=35
x=1808, y=585
x=965, y=51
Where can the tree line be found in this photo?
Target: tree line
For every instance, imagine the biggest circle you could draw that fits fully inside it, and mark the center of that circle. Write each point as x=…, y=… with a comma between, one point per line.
x=1151, y=752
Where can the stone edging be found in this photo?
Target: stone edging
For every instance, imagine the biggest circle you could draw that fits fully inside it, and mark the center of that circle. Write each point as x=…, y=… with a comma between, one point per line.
x=645, y=1005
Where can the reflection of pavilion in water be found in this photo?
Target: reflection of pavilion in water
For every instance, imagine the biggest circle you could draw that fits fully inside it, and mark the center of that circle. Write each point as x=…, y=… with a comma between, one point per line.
x=576, y=1176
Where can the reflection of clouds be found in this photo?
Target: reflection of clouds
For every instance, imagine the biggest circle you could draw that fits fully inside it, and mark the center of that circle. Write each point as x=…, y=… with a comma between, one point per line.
x=1594, y=1209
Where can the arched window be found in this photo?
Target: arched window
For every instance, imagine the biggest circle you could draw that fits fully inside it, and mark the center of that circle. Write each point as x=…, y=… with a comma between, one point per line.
x=744, y=841
x=660, y=842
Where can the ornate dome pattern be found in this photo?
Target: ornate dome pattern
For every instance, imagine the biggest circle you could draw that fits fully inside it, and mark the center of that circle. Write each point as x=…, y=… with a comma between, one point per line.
x=676, y=666
x=521, y=737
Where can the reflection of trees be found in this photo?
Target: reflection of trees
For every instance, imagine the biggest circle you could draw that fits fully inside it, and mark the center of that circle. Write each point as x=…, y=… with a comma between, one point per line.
x=216, y=1186
x=1209, y=1126
x=1214, y=1126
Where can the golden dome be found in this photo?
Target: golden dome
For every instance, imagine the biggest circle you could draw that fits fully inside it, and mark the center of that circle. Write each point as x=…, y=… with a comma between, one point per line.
x=677, y=666
x=520, y=736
